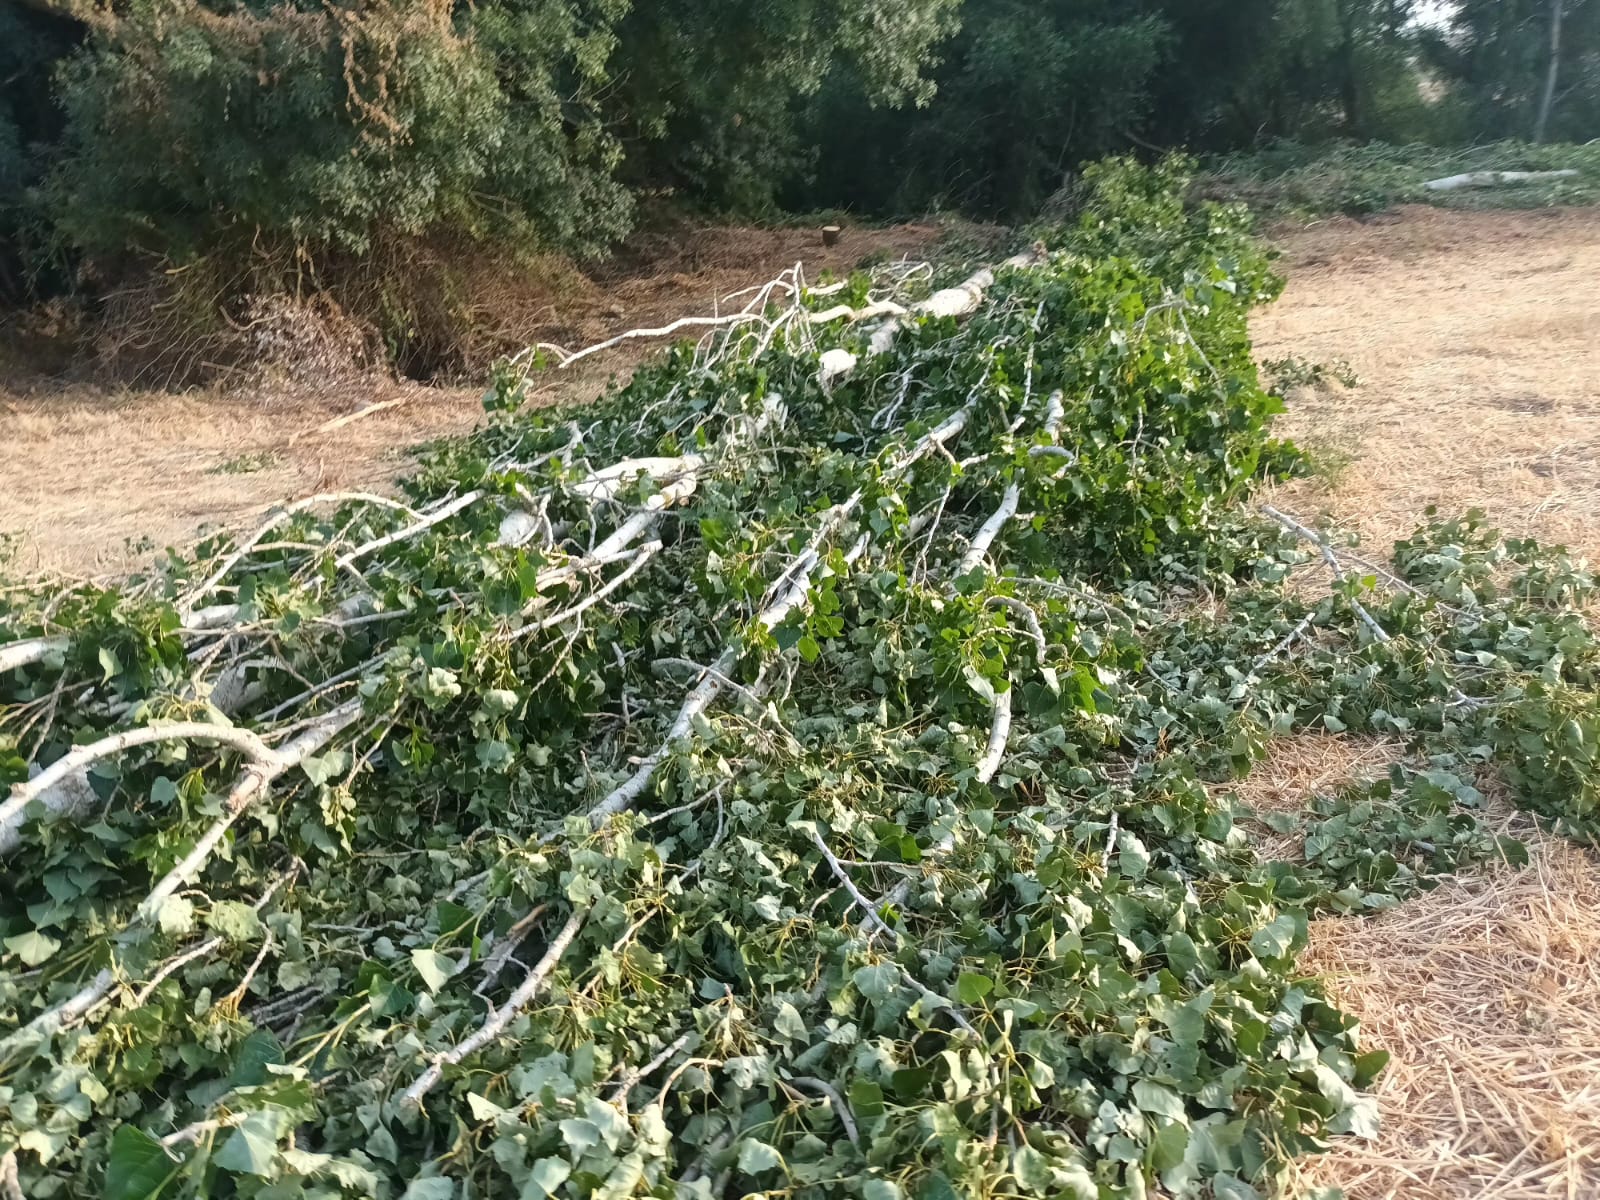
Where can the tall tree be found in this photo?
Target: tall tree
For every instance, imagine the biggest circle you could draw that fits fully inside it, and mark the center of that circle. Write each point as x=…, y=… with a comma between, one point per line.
x=1551, y=74
x=708, y=93
x=1027, y=90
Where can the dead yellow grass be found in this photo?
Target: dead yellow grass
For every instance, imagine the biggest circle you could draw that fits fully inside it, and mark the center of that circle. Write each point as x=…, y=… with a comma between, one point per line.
x=92, y=477
x=1298, y=768
x=1477, y=337
x=1477, y=340
x=1485, y=991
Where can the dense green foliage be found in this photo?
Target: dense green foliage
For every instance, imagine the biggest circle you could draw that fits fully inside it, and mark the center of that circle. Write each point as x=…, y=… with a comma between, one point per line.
x=329, y=128
x=1497, y=62
x=1027, y=91
x=1075, y=979
x=299, y=146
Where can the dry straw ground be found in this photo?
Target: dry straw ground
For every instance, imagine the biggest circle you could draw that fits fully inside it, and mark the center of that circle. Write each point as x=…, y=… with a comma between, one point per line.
x=1477, y=337
x=1477, y=340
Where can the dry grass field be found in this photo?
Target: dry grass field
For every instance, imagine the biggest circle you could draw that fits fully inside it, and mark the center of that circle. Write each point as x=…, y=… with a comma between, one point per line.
x=94, y=477
x=1476, y=339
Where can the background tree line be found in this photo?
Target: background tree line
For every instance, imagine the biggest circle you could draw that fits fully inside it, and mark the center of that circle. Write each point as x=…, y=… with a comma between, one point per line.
x=298, y=138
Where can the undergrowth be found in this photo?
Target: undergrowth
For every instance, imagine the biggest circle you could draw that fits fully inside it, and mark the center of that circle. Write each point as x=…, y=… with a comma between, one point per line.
x=833, y=803
x=1290, y=179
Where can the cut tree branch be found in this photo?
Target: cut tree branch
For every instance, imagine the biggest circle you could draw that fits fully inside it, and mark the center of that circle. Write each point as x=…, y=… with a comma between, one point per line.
x=63, y=787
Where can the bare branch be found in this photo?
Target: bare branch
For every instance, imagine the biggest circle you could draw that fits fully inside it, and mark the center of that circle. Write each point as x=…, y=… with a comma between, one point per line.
x=526, y=991
x=34, y=650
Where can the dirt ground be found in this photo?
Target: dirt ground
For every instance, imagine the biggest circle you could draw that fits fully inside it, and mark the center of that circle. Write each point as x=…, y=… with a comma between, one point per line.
x=96, y=479
x=1476, y=337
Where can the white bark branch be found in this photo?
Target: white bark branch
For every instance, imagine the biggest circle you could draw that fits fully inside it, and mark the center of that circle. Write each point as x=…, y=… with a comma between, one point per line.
x=1484, y=179
x=679, y=474
x=792, y=588
x=62, y=788
x=984, y=538
x=244, y=793
x=999, y=732
x=962, y=300
x=33, y=650
x=1054, y=414
x=422, y=525
x=641, y=559
x=567, y=358
x=526, y=991
x=93, y=993
x=240, y=552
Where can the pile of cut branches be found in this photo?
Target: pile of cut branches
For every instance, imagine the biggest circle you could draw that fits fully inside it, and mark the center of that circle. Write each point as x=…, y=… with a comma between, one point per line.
x=785, y=776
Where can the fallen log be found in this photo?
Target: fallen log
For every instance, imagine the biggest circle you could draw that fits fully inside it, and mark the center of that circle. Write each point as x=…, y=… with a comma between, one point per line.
x=1486, y=179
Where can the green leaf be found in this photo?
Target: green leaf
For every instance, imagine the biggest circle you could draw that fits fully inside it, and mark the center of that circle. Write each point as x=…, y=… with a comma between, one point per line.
x=483, y=1109
x=978, y=684
x=911, y=1083
x=624, y=1178
x=434, y=967
x=139, y=1167
x=253, y=1146
x=1277, y=939
x=256, y=1053
x=1360, y=1118
x=1169, y=1146
x=878, y=983
x=176, y=915
x=1231, y=1187
x=1031, y=1169
x=881, y=1189
x=389, y=998
x=1187, y=1022
x=1369, y=1066
x=790, y=1024
x=235, y=921
x=545, y=1177
x=971, y=988
x=1152, y=1097
x=756, y=1157
x=432, y=1188
x=866, y=1099
x=453, y=920
x=33, y=947
x=580, y=1134
x=381, y=1145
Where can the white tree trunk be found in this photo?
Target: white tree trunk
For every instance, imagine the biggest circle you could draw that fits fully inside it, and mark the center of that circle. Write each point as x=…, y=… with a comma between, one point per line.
x=1547, y=101
x=1479, y=179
